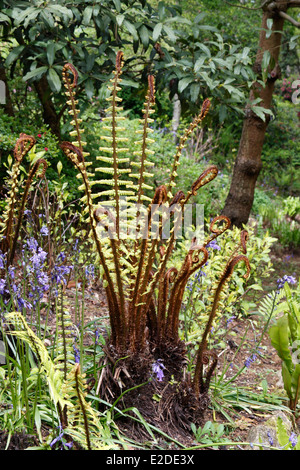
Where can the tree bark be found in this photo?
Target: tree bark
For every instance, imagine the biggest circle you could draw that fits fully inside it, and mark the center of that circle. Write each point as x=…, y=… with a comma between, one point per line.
x=49, y=114
x=8, y=107
x=248, y=161
x=176, y=116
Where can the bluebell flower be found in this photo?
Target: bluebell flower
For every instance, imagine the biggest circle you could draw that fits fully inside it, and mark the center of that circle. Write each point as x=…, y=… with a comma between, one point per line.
x=3, y=289
x=289, y=279
x=214, y=245
x=60, y=439
x=293, y=439
x=44, y=230
x=76, y=354
x=158, y=368
x=250, y=359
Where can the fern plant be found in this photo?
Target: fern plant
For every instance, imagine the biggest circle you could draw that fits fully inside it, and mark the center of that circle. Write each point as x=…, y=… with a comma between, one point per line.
x=67, y=389
x=16, y=200
x=144, y=291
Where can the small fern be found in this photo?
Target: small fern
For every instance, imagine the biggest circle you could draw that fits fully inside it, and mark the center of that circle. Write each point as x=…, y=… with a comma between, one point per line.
x=68, y=392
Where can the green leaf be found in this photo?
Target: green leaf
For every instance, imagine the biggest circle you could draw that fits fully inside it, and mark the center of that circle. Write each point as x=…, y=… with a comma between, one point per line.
x=51, y=49
x=157, y=31
x=131, y=29
x=54, y=80
x=35, y=73
x=87, y=15
x=261, y=112
x=280, y=341
x=205, y=49
x=184, y=82
x=117, y=5
x=281, y=432
x=144, y=35
x=171, y=35
x=89, y=88
x=195, y=91
x=120, y=19
x=199, y=62
x=13, y=55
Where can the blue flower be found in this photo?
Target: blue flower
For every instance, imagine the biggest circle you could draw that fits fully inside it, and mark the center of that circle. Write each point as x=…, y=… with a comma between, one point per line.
x=250, y=359
x=213, y=244
x=158, y=368
x=293, y=439
x=44, y=230
x=289, y=279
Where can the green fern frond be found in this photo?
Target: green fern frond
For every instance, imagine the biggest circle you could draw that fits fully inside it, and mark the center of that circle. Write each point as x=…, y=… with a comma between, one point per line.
x=84, y=424
x=53, y=374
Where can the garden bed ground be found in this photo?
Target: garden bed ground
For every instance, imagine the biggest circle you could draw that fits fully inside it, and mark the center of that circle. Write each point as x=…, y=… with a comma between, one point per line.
x=265, y=367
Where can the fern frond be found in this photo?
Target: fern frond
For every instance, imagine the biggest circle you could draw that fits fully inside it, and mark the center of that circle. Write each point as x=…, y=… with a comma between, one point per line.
x=23, y=145
x=53, y=374
x=84, y=424
x=181, y=145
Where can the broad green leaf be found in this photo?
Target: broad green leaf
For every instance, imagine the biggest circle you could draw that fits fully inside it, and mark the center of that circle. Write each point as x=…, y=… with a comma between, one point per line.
x=198, y=64
x=51, y=49
x=287, y=380
x=13, y=55
x=184, y=82
x=194, y=90
x=119, y=19
x=89, y=88
x=54, y=80
x=171, y=35
x=205, y=49
x=87, y=15
x=144, y=35
x=280, y=341
x=35, y=73
x=117, y=5
x=157, y=31
x=131, y=29
x=261, y=112
x=281, y=432
x=295, y=380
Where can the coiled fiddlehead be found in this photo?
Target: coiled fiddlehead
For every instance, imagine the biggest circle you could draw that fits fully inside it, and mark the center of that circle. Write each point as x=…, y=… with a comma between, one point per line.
x=23, y=145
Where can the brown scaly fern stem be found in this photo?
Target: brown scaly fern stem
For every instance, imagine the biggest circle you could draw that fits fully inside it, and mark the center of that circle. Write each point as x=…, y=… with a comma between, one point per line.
x=23, y=145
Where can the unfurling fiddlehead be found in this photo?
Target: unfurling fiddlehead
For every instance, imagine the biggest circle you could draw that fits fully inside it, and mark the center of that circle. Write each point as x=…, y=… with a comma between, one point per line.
x=23, y=145
x=199, y=385
x=32, y=173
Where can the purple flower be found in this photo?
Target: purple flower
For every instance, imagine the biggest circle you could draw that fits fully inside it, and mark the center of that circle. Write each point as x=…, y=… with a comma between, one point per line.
x=76, y=354
x=158, y=368
x=293, y=439
x=250, y=359
x=44, y=231
x=2, y=287
x=289, y=279
x=60, y=438
x=213, y=244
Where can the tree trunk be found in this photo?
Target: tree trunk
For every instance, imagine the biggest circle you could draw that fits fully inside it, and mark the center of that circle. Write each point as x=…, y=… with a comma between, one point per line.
x=176, y=116
x=49, y=114
x=248, y=161
x=8, y=107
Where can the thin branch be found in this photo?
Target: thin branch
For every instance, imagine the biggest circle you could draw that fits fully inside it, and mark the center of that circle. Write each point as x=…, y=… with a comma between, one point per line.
x=289, y=18
x=265, y=3
x=294, y=3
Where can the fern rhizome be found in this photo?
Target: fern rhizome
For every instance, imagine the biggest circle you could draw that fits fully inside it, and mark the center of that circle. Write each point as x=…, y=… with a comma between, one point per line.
x=144, y=292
